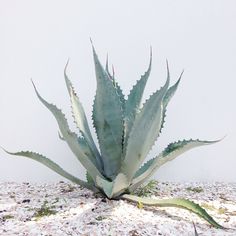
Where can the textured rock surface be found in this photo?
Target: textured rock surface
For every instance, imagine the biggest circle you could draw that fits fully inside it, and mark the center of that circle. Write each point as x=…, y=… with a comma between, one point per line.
x=66, y=209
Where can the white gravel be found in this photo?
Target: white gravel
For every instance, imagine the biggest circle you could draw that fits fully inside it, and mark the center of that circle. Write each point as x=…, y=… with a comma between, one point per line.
x=76, y=211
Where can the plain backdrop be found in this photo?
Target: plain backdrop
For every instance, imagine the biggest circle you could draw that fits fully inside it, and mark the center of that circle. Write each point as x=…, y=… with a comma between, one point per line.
x=38, y=37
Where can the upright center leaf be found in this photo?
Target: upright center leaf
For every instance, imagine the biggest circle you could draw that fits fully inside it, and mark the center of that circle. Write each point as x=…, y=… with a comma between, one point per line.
x=108, y=120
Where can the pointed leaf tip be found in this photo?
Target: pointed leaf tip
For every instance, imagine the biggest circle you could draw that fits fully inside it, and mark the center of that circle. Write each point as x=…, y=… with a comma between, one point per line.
x=108, y=118
x=150, y=54
x=113, y=71
x=222, y=138
x=181, y=74
x=107, y=63
x=4, y=149
x=34, y=87
x=175, y=202
x=91, y=41
x=65, y=69
x=168, y=71
x=32, y=81
x=93, y=48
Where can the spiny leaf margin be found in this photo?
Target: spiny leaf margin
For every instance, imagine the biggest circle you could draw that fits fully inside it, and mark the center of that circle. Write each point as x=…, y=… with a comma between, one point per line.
x=175, y=202
x=53, y=166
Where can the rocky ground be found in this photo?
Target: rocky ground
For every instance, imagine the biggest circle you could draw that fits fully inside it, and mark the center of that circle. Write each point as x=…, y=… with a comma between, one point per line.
x=66, y=209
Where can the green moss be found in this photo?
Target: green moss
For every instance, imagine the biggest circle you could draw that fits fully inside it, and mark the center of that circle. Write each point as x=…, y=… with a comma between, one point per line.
x=45, y=210
x=147, y=190
x=222, y=210
x=100, y=218
x=7, y=217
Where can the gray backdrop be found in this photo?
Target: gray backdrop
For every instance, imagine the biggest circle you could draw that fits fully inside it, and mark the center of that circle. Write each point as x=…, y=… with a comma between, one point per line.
x=37, y=38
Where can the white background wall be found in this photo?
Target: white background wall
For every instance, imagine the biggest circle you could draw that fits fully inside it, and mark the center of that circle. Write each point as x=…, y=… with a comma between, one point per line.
x=37, y=38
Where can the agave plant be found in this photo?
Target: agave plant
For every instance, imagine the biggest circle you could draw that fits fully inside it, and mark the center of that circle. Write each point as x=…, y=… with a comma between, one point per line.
x=126, y=130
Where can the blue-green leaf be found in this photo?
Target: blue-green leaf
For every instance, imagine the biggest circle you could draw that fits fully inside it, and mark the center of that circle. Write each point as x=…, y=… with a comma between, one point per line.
x=133, y=103
x=70, y=137
x=172, y=151
x=169, y=94
x=81, y=122
x=175, y=202
x=53, y=166
x=144, y=132
x=113, y=188
x=84, y=147
x=108, y=120
x=89, y=178
x=116, y=85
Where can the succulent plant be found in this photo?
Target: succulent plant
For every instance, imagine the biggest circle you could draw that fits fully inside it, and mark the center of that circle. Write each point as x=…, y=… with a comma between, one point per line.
x=126, y=130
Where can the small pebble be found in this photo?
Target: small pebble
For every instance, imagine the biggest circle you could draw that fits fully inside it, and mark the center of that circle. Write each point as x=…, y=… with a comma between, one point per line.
x=66, y=209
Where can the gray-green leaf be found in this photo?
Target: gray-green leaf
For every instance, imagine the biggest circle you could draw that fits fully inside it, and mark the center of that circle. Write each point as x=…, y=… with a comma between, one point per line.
x=175, y=202
x=134, y=100
x=172, y=151
x=81, y=122
x=144, y=132
x=108, y=120
x=70, y=137
x=53, y=166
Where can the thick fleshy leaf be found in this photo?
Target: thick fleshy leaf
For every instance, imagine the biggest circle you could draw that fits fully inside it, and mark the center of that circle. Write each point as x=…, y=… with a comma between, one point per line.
x=133, y=103
x=107, y=69
x=169, y=94
x=53, y=166
x=60, y=136
x=108, y=120
x=84, y=146
x=171, y=91
x=116, y=85
x=105, y=186
x=71, y=138
x=175, y=202
x=172, y=151
x=114, y=188
x=87, y=150
x=144, y=132
x=121, y=96
x=89, y=178
x=81, y=122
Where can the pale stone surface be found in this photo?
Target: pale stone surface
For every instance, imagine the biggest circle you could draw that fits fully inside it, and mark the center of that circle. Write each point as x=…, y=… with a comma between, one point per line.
x=75, y=211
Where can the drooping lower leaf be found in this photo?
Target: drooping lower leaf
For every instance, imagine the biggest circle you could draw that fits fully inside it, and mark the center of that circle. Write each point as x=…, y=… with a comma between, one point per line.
x=172, y=151
x=81, y=122
x=84, y=147
x=53, y=166
x=175, y=202
x=70, y=137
